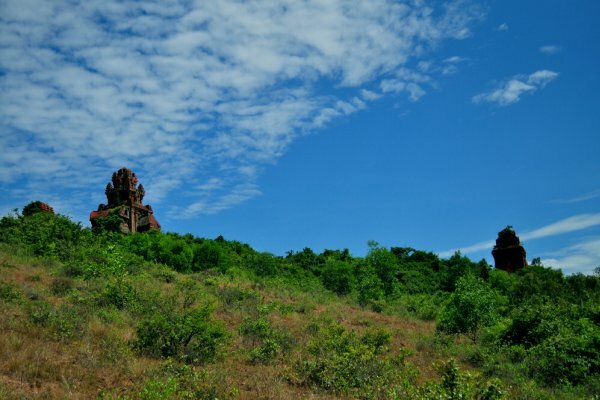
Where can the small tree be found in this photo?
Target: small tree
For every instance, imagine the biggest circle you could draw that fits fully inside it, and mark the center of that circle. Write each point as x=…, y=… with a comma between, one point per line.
x=338, y=276
x=110, y=223
x=385, y=265
x=471, y=307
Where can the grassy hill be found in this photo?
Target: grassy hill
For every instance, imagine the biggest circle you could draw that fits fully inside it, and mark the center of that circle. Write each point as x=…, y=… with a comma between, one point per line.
x=98, y=315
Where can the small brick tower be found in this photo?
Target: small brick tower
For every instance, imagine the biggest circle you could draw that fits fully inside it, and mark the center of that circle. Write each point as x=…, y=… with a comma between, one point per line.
x=125, y=197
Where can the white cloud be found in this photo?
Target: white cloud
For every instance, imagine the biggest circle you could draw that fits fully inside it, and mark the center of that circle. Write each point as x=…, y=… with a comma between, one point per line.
x=210, y=185
x=541, y=78
x=583, y=257
x=510, y=92
x=469, y=249
x=188, y=91
x=455, y=59
x=577, y=199
x=450, y=65
x=238, y=194
x=503, y=27
x=567, y=225
x=369, y=95
x=571, y=224
x=549, y=49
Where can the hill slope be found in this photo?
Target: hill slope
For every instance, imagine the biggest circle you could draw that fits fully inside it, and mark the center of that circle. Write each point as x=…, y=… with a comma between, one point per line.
x=163, y=316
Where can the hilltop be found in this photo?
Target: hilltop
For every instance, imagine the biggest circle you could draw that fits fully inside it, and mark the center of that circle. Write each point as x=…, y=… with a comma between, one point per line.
x=98, y=314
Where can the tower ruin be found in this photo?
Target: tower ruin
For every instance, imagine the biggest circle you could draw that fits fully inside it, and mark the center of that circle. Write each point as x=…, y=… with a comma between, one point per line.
x=124, y=197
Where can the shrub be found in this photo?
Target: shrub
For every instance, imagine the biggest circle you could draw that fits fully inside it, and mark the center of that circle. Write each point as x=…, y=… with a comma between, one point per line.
x=264, y=264
x=10, y=293
x=269, y=342
x=385, y=265
x=424, y=306
x=190, y=335
x=182, y=381
x=256, y=329
x=531, y=323
x=118, y=293
x=165, y=275
x=72, y=270
x=265, y=353
x=570, y=356
x=471, y=306
x=343, y=362
x=111, y=223
x=377, y=339
x=40, y=312
x=61, y=285
x=234, y=296
x=456, y=385
x=370, y=289
x=45, y=234
x=208, y=255
x=64, y=322
x=158, y=390
x=338, y=276
x=110, y=262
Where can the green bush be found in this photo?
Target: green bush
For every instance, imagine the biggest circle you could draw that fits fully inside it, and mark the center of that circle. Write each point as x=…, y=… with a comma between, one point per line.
x=370, y=288
x=181, y=381
x=111, y=223
x=158, y=389
x=424, y=306
x=266, y=353
x=208, y=255
x=118, y=293
x=10, y=293
x=456, y=385
x=269, y=342
x=190, y=335
x=45, y=234
x=235, y=297
x=61, y=285
x=472, y=306
x=343, y=362
x=256, y=329
x=385, y=265
x=532, y=322
x=338, y=276
x=377, y=339
x=63, y=322
x=570, y=356
x=264, y=264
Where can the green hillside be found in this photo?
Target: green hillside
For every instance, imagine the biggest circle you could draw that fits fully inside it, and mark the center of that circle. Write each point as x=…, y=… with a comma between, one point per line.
x=100, y=315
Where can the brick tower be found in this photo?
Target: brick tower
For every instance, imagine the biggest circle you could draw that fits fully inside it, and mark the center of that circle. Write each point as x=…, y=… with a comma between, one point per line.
x=125, y=197
x=508, y=253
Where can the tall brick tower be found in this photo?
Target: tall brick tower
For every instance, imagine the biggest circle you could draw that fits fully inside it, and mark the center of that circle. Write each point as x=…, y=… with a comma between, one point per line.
x=125, y=197
x=508, y=253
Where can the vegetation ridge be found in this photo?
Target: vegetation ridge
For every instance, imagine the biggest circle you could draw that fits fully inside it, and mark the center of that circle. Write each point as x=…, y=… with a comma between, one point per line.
x=97, y=314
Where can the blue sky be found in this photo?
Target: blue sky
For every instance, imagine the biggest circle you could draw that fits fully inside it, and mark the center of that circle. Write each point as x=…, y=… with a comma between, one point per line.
x=325, y=124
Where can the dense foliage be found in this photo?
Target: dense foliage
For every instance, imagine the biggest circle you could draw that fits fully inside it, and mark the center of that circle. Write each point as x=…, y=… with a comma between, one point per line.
x=536, y=328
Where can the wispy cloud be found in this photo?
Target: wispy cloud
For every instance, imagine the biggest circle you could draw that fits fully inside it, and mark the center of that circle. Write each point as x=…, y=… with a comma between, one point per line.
x=510, y=91
x=183, y=92
x=571, y=224
x=503, y=27
x=488, y=244
x=567, y=225
x=450, y=66
x=583, y=257
x=577, y=199
x=224, y=200
x=549, y=49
